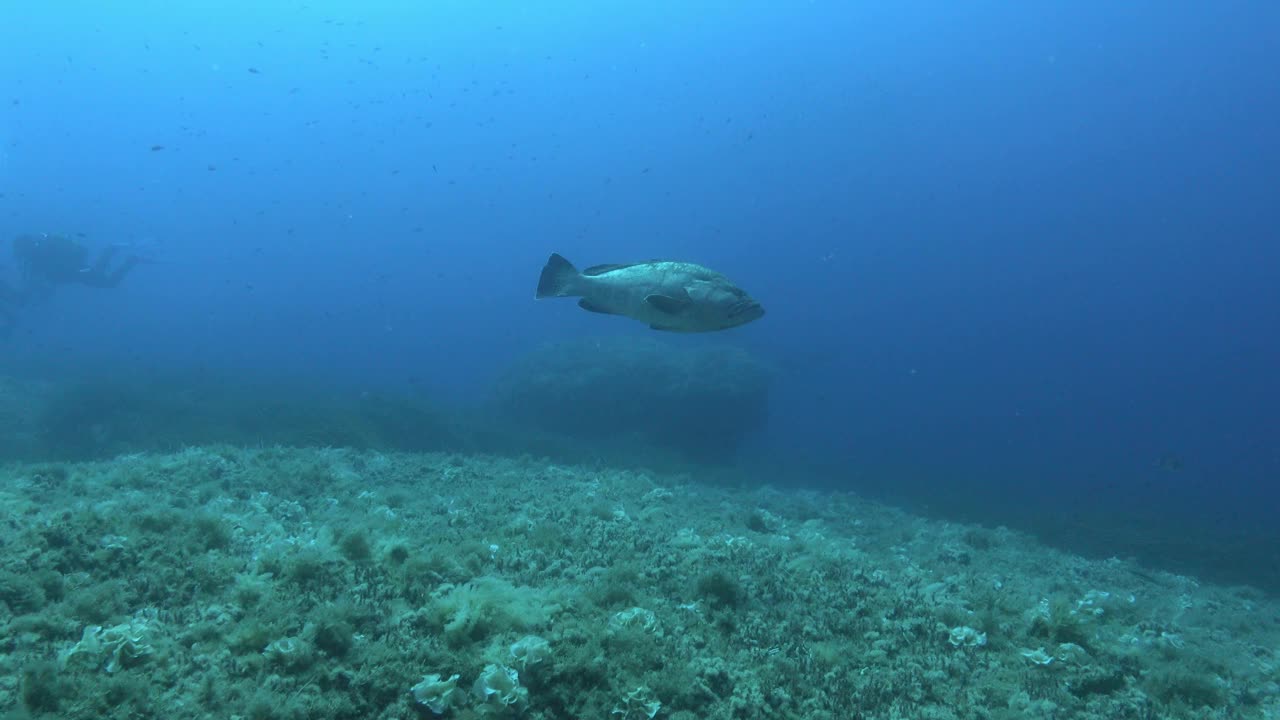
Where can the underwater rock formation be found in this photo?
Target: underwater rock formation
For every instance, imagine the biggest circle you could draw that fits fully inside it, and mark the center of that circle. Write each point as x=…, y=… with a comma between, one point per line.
x=701, y=402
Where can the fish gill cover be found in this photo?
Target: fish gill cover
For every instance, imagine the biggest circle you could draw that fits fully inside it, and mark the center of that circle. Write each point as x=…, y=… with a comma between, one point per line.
x=285, y=435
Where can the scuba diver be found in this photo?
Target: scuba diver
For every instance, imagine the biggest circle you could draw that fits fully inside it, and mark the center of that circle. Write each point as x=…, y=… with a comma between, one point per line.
x=59, y=260
x=46, y=261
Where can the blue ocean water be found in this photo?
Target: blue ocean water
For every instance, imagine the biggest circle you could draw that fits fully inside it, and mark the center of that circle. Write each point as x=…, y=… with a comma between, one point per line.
x=1020, y=260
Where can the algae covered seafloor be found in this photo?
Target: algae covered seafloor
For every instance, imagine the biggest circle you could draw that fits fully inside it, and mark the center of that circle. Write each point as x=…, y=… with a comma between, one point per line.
x=278, y=583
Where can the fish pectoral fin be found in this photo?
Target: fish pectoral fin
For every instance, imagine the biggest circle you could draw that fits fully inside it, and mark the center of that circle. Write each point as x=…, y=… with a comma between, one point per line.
x=667, y=304
x=587, y=305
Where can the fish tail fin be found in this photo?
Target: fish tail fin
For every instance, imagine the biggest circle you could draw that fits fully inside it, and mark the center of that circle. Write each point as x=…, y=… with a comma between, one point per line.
x=559, y=278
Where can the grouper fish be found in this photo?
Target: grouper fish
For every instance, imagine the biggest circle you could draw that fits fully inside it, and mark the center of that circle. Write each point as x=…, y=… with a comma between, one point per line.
x=665, y=295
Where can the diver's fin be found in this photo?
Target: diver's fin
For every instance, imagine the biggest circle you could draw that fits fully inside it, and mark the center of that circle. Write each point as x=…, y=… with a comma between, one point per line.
x=667, y=304
x=557, y=279
x=589, y=306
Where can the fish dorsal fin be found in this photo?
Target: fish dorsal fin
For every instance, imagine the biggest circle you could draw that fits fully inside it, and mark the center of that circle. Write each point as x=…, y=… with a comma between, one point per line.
x=610, y=267
x=668, y=304
x=602, y=269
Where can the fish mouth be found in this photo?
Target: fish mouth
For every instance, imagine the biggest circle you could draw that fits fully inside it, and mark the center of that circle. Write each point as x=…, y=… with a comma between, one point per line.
x=746, y=310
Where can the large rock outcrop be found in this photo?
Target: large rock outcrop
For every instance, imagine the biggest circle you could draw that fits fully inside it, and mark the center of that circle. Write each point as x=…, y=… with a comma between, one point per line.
x=702, y=402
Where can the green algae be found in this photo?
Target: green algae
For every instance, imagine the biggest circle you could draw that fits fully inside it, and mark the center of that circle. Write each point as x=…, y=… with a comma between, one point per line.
x=275, y=583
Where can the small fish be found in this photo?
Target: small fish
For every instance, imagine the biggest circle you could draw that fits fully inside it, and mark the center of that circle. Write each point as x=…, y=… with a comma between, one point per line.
x=254, y=71
x=665, y=295
x=157, y=148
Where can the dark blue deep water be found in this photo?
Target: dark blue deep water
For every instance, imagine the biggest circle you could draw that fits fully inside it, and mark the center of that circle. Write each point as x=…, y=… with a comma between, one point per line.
x=1021, y=260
